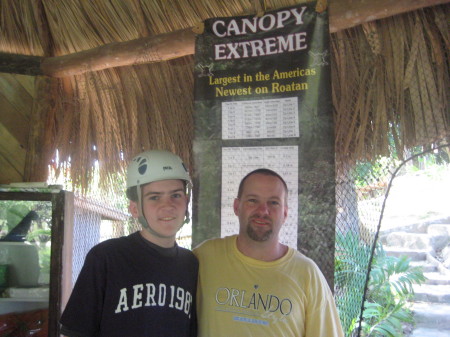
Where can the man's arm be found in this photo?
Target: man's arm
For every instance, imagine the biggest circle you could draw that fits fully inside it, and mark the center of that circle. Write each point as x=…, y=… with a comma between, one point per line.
x=323, y=318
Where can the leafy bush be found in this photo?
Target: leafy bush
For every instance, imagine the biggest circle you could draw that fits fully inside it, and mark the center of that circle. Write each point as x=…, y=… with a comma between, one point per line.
x=39, y=234
x=351, y=263
x=389, y=289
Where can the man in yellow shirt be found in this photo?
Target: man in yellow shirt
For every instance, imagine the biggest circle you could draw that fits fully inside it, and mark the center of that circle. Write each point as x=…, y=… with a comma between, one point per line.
x=250, y=284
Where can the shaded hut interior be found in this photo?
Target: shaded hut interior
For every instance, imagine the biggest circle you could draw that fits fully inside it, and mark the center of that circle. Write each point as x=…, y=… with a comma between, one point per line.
x=86, y=85
x=69, y=102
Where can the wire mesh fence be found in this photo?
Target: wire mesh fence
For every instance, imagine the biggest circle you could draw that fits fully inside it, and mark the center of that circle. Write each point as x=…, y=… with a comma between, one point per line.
x=390, y=104
x=378, y=127
x=374, y=199
x=361, y=192
x=359, y=198
x=96, y=219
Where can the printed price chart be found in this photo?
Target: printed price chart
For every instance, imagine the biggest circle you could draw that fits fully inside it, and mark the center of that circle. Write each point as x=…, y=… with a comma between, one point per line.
x=267, y=118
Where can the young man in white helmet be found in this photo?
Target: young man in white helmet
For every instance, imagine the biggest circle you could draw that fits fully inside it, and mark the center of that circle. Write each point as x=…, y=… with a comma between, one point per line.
x=143, y=284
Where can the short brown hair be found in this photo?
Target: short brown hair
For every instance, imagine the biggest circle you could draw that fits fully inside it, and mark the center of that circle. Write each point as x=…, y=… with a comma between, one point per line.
x=263, y=171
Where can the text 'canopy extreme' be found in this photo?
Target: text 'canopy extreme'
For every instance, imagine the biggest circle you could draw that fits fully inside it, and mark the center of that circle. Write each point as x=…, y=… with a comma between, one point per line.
x=259, y=47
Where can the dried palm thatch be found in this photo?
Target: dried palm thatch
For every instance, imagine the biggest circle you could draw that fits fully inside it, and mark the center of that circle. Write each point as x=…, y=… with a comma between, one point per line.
x=390, y=84
x=389, y=77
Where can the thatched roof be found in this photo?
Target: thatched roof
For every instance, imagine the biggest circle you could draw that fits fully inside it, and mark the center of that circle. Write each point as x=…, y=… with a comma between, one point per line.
x=390, y=76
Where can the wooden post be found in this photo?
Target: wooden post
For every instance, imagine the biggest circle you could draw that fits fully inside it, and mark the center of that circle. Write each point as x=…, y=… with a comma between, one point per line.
x=42, y=128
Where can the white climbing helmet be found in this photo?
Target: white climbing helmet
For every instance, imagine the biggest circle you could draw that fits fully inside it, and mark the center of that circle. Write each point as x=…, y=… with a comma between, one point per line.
x=156, y=165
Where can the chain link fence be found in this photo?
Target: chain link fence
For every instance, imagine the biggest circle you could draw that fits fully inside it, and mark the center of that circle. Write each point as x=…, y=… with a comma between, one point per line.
x=390, y=94
x=363, y=193
x=388, y=100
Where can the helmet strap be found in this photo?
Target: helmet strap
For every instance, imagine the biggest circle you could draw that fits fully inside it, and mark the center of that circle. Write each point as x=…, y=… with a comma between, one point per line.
x=187, y=218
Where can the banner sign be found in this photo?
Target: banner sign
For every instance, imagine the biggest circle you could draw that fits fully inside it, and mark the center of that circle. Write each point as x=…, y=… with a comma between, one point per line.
x=263, y=99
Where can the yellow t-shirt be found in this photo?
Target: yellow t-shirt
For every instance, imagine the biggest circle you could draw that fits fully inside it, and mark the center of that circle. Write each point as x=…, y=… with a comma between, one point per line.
x=240, y=296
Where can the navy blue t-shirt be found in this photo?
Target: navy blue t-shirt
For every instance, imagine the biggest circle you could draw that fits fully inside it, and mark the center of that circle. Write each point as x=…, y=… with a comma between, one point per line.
x=128, y=288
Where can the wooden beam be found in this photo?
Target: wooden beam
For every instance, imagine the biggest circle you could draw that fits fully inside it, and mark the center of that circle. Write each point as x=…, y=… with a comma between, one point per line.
x=20, y=64
x=158, y=48
x=344, y=14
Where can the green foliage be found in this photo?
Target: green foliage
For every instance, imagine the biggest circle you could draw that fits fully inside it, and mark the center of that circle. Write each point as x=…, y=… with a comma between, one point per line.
x=384, y=321
x=39, y=235
x=13, y=211
x=429, y=156
x=351, y=262
x=44, y=259
x=390, y=288
x=367, y=172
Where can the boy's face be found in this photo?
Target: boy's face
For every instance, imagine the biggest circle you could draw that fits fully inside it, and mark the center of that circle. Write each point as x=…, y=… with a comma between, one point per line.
x=164, y=206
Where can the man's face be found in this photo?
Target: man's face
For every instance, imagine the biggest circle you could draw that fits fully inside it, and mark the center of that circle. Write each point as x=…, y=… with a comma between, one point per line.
x=164, y=206
x=262, y=207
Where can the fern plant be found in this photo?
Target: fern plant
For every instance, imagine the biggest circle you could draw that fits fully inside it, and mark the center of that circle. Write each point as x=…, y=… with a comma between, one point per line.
x=389, y=290
x=351, y=263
